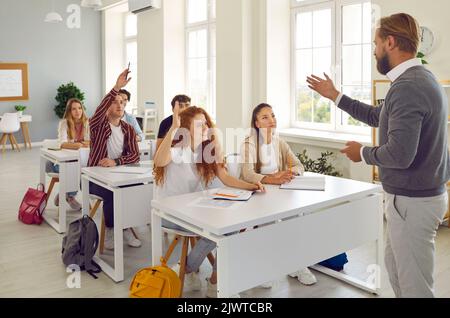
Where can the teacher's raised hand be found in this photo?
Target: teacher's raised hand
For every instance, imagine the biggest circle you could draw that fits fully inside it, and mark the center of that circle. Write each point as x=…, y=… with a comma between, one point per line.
x=324, y=87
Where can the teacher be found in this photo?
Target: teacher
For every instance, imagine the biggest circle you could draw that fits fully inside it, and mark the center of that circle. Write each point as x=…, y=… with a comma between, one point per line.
x=413, y=157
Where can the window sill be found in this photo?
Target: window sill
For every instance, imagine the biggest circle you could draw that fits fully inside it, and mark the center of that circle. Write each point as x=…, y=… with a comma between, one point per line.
x=324, y=139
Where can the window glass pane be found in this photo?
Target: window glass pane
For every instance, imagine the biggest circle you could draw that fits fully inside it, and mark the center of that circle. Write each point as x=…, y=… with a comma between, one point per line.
x=351, y=24
x=131, y=57
x=322, y=28
x=197, y=11
x=198, y=44
x=321, y=61
x=304, y=66
x=213, y=9
x=367, y=63
x=304, y=30
x=304, y=104
x=361, y=93
x=351, y=71
x=213, y=41
x=367, y=22
x=130, y=25
x=322, y=112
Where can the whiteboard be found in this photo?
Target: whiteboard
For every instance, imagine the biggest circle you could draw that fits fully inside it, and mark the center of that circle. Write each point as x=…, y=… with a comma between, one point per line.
x=10, y=83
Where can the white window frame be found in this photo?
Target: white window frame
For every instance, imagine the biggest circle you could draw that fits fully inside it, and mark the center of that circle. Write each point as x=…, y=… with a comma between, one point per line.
x=208, y=25
x=336, y=60
x=127, y=40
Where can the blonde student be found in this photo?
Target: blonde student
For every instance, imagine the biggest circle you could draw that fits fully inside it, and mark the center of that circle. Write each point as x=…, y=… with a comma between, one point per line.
x=188, y=159
x=270, y=160
x=73, y=133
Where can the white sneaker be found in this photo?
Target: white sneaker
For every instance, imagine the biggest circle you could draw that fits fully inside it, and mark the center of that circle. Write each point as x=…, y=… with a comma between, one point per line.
x=109, y=238
x=305, y=276
x=211, y=290
x=191, y=280
x=130, y=239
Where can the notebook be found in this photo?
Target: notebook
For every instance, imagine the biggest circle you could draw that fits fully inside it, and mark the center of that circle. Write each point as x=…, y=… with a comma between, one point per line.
x=232, y=194
x=316, y=183
x=132, y=170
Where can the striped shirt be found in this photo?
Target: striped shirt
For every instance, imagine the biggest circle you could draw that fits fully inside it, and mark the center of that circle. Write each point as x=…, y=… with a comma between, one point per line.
x=100, y=131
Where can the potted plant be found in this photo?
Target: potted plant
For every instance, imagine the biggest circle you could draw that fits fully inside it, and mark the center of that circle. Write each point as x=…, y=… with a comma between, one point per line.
x=66, y=92
x=421, y=56
x=20, y=109
x=320, y=165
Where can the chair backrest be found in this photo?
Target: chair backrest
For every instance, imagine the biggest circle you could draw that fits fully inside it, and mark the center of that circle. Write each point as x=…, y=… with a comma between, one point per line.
x=233, y=165
x=10, y=122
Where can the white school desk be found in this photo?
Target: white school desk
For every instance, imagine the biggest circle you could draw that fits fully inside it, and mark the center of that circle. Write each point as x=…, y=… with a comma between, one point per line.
x=306, y=227
x=24, y=120
x=69, y=180
x=131, y=206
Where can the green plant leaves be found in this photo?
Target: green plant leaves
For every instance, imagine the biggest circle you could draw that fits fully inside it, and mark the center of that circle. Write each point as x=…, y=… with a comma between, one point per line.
x=320, y=165
x=66, y=92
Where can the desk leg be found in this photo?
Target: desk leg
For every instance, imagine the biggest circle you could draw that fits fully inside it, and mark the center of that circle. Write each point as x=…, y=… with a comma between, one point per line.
x=25, y=134
x=223, y=276
x=156, y=238
x=85, y=195
x=118, y=235
x=43, y=163
x=62, y=197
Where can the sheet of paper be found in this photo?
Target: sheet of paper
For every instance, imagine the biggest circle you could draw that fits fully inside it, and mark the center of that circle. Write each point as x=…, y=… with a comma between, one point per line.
x=215, y=204
x=132, y=170
x=10, y=83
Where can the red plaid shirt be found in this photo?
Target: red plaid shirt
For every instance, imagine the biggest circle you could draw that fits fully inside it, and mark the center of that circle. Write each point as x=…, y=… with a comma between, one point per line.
x=101, y=131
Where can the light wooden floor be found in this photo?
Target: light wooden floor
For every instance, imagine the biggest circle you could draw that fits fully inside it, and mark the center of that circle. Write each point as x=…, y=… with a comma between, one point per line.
x=31, y=266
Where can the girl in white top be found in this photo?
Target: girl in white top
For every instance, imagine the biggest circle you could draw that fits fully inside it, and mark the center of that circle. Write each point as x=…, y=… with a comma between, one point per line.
x=181, y=166
x=73, y=133
x=270, y=160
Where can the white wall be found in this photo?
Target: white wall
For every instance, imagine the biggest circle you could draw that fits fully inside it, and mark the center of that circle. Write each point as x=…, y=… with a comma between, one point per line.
x=161, y=49
x=432, y=14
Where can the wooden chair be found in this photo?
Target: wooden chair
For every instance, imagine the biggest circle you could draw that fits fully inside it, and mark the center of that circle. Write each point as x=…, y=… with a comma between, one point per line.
x=54, y=179
x=92, y=212
x=186, y=238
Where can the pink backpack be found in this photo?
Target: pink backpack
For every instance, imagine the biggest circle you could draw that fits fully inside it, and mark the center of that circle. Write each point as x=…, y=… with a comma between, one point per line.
x=33, y=205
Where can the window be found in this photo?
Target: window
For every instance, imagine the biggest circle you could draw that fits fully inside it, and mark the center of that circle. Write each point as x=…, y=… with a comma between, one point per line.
x=332, y=37
x=130, y=36
x=201, y=53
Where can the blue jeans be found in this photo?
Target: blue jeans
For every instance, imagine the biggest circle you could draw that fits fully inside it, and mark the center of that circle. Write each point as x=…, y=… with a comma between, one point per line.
x=51, y=167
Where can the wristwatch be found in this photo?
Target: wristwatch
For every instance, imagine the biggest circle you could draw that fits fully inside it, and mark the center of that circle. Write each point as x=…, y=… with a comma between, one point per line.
x=117, y=161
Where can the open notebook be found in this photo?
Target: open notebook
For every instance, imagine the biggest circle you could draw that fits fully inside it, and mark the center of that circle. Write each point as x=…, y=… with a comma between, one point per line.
x=316, y=183
x=232, y=194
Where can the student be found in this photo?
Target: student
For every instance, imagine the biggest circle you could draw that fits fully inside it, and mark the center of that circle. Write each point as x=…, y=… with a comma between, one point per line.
x=183, y=102
x=182, y=167
x=73, y=133
x=113, y=143
x=269, y=160
x=129, y=118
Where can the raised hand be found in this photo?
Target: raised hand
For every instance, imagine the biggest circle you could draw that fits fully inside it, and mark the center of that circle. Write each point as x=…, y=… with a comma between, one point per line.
x=176, y=123
x=122, y=80
x=324, y=87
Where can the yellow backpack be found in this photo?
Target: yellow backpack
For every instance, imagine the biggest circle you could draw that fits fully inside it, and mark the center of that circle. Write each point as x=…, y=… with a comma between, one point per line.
x=156, y=282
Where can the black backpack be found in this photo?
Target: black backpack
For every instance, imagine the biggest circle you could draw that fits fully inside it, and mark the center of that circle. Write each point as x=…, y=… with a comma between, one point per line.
x=80, y=244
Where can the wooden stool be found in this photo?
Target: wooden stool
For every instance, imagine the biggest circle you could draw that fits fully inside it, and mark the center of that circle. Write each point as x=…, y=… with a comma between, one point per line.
x=186, y=237
x=92, y=212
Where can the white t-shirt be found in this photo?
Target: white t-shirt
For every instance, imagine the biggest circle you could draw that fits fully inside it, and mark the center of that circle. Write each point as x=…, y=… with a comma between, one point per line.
x=180, y=175
x=268, y=158
x=115, y=142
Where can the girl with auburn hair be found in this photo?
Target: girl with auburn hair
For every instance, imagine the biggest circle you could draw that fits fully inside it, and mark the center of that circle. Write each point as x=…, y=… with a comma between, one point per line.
x=188, y=159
